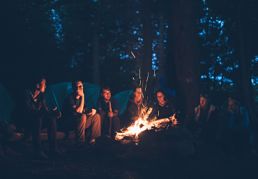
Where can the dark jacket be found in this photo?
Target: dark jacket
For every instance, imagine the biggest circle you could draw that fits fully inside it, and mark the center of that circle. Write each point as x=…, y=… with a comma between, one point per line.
x=204, y=116
x=103, y=107
x=70, y=104
x=37, y=105
x=133, y=111
x=165, y=111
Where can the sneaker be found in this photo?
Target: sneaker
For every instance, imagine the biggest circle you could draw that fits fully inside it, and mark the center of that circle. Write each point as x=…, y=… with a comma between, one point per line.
x=92, y=141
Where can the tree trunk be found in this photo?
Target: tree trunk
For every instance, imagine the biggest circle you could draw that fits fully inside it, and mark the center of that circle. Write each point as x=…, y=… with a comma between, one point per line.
x=147, y=36
x=184, y=52
x=245, y=57
x=161, y=51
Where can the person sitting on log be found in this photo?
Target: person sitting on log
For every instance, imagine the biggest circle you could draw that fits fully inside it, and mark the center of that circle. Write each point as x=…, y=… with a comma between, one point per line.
x=39, y=116
x=79, y=117
x=108, y=110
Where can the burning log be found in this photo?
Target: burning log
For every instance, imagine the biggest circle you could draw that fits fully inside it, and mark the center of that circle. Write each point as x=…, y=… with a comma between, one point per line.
x=142, y=124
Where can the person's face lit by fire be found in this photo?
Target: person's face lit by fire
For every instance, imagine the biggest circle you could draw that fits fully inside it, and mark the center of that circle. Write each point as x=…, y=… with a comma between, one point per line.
x=106, y=93
x=79, y=88
x=138, y=95
x=203, y=102
x=42, y=85
x=161, y=98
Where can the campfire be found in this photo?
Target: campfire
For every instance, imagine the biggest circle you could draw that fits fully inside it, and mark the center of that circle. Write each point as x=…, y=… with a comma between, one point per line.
x=142, y=124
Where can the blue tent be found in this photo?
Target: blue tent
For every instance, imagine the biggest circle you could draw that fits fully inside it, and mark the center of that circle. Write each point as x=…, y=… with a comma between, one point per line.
x=122, y=99
x=6, y=104
x=56, y=94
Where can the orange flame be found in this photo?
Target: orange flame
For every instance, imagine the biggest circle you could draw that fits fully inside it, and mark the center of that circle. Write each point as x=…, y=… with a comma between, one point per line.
x=142, y=124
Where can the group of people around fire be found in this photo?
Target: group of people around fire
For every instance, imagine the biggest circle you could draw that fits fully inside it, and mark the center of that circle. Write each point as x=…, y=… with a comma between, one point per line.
x=229, y=125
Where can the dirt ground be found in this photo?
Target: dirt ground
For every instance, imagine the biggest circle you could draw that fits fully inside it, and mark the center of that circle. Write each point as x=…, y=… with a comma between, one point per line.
x=166, y=154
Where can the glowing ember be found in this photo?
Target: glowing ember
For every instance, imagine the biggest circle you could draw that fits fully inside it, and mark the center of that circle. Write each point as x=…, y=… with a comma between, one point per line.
x=142, y=124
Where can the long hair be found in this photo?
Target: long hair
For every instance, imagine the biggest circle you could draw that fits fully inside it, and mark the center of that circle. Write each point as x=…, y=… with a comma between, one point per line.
x=163, y=92
x=74, y=83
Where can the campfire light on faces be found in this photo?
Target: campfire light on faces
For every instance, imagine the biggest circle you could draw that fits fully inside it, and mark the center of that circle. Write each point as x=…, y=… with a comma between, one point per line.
x=143, y=124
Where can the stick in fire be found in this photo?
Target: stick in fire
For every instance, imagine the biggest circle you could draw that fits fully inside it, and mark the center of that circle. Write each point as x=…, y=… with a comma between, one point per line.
x=142, y=124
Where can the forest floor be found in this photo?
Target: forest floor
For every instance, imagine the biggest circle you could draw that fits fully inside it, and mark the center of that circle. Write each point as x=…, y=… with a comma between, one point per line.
x=165, y=154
